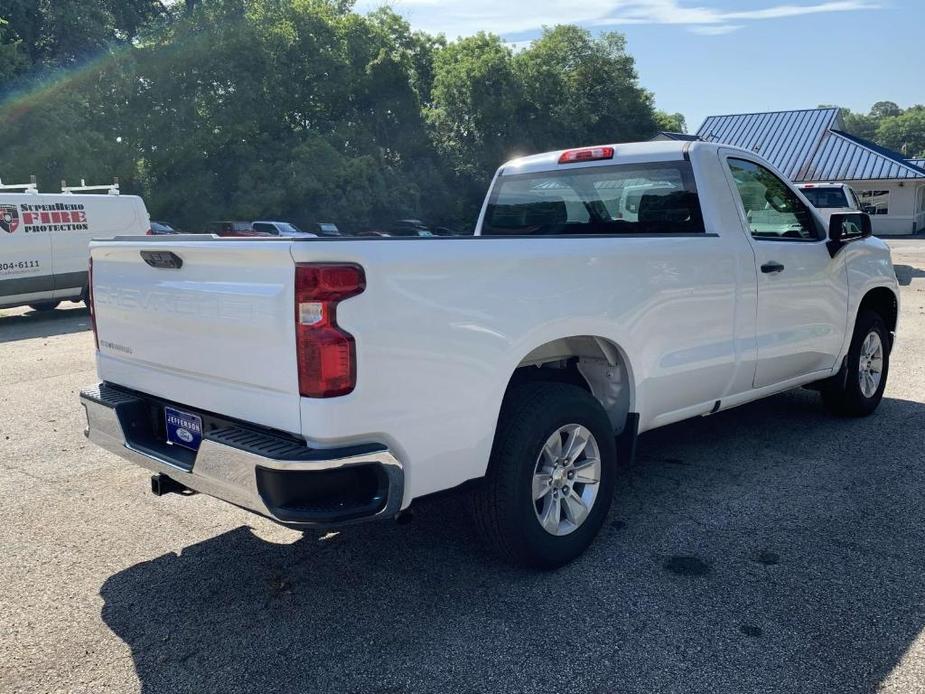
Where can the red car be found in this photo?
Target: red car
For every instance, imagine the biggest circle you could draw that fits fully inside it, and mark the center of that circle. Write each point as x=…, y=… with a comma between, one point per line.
x=232, y=229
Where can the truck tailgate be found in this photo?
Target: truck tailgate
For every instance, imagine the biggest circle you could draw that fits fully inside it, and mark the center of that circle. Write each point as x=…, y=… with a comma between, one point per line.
x=216, y=333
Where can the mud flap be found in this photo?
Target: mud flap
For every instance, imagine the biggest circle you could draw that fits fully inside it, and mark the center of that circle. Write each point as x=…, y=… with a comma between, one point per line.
x=626, y=440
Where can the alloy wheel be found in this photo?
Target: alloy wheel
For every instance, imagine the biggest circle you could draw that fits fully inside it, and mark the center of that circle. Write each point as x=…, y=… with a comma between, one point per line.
x=566, y=479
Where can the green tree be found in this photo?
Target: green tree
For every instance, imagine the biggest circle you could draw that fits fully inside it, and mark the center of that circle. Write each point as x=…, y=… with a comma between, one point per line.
x=13, y=60
x=567, y=88
x=884, y=109
x=476, y=98
x=904, y=132
x=294, y=109
x=890, y=126
x=57, y=33
x=582, y=90
x=73, y=130
x=855, y=123
x=416, y=49
x=671, y=122
x=278, y=109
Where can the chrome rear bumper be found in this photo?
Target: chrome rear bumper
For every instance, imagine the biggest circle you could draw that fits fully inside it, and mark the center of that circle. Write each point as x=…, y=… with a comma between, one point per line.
x=251, y=467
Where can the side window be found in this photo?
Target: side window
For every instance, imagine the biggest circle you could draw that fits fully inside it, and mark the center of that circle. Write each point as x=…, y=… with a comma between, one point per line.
x=772, y=209
x=266, y=228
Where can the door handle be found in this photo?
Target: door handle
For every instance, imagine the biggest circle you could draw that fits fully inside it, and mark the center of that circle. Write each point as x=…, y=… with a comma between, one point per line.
x=772, y=267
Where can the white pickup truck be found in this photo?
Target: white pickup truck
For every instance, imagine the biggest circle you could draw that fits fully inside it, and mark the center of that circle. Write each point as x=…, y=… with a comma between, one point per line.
x=320, y=382
x=830, y=198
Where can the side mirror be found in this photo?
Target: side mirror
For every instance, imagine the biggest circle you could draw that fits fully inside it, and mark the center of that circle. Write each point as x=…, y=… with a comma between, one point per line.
x=847, y=227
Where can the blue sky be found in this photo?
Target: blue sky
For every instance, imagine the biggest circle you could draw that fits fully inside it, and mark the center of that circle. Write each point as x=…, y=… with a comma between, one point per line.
x=703, y=57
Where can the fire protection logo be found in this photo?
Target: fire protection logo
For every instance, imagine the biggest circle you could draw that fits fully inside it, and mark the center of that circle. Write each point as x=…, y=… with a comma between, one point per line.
x=9, y=218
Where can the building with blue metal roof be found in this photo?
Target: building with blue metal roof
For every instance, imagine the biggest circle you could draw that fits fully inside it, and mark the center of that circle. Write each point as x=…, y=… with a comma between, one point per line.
x=812, y=146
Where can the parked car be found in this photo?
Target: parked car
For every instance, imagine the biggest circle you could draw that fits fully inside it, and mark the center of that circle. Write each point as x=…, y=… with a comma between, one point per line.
x=280, y=229
x=831, y=198
x=233, y=229
x=44, y=240
x=415, y=227
x=160, y=228
x=409, y=227
x=326, y=229
x=518, y=365
x=446, y=231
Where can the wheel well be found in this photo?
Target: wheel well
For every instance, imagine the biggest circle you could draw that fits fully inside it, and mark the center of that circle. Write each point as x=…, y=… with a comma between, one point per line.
x=882, y=301
x=592, y=363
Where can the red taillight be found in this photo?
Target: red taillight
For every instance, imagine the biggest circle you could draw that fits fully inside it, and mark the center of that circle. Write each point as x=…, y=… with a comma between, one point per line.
x=149, y=232
x=573, y=156
x=326, y=353
x=96, y=337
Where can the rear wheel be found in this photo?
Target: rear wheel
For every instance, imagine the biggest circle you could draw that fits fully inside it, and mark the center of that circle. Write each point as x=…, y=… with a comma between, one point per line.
x=857, y=392
x=44, y=306
x=551, y=476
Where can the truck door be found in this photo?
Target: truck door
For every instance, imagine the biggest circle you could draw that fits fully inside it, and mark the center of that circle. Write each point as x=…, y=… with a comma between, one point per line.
x=25, y=253
x=802, y=291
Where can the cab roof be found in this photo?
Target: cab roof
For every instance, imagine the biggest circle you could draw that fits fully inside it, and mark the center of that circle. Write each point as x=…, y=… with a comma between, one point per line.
x=822, y=184
x=623, y=153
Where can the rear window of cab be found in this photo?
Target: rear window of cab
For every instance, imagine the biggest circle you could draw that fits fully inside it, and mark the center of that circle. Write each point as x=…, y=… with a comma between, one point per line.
x=650, y=198
x=823, y=198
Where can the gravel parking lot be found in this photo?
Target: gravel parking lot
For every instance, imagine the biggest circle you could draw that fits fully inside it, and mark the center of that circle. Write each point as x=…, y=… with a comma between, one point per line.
x=771, y=548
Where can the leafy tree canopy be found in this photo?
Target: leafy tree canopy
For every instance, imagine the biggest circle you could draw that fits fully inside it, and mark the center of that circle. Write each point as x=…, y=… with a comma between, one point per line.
x=671, y=122
x=296, y=109
x=890, y=126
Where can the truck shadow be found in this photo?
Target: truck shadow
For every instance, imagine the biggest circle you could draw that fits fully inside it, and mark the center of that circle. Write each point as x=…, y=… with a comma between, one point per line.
x=769, y=548
x=32, y=324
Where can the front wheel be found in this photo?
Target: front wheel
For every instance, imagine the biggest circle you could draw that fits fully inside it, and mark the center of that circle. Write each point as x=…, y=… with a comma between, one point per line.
x=551, y=475
x=858, y=391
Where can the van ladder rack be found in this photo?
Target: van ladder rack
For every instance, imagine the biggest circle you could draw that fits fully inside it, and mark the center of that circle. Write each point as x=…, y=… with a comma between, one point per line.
x=112, y=189
x=24, y=187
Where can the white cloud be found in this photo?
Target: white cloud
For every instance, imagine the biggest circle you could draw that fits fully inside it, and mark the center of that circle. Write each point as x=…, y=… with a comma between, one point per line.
x=673, y=12
x=715, y=29
x=465, y=17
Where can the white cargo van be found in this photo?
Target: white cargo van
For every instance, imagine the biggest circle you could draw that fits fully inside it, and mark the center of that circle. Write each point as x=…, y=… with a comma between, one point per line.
x=44, y=239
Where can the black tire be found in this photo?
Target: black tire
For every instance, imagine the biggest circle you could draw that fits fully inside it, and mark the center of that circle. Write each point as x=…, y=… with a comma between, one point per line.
x=44, y=306
x=842, y=394
x=503, y=504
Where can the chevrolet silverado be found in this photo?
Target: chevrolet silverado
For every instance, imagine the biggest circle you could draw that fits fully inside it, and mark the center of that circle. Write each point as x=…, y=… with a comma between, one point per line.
x=606, y=291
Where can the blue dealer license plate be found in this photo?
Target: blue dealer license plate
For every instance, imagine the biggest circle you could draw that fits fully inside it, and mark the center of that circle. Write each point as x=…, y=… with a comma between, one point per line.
x=183, y=429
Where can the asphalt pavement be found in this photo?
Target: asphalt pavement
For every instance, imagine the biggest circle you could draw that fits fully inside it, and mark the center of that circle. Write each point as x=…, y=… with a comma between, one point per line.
x=771, y=548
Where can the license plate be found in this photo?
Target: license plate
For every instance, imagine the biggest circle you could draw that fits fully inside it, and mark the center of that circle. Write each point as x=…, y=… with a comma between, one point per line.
x=183, y=429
